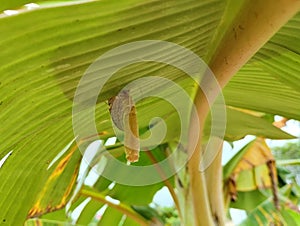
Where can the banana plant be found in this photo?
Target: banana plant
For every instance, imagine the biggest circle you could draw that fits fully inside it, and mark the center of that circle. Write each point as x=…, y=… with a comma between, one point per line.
x=47, y=171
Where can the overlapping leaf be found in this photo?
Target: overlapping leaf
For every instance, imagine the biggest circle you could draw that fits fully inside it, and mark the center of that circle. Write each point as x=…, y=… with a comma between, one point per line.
x=46, y=51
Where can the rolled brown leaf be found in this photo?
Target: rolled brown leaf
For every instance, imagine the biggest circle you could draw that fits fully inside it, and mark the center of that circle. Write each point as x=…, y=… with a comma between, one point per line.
x=124, y=117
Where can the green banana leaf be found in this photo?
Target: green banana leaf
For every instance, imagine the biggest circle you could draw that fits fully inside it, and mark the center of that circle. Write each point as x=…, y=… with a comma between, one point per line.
x=266, y=214
x=45, y=51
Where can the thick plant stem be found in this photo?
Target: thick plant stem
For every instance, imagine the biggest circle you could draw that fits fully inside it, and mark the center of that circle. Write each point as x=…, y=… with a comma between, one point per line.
x=257, y=22
x=214, y=183
x=251, y=29
x=197, y=190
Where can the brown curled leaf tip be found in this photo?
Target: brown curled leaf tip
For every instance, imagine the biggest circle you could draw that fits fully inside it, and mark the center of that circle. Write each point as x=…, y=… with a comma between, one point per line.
x=123, y=115
x=132, y=155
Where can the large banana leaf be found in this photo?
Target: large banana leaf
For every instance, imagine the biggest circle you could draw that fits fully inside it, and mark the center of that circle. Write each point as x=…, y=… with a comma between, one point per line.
x=46, y=51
